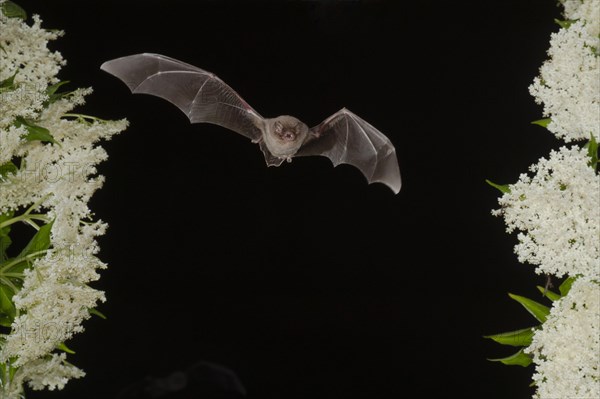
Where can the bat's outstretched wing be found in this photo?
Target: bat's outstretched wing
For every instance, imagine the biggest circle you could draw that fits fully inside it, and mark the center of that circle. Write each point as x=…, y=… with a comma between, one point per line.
x=346, y=138
x=201, y=95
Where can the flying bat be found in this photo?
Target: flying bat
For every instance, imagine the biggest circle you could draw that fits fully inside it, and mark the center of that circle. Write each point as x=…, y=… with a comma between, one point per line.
x=203, y=97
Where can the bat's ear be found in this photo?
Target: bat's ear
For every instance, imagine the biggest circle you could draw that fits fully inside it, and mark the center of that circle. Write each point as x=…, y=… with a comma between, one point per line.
x=278, y=127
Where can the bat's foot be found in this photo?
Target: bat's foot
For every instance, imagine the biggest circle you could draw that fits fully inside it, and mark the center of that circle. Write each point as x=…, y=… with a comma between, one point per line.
x=256, y=141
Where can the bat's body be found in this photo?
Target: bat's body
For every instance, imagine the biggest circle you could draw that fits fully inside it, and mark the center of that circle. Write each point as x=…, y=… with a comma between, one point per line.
x=282, y=137
x=203, y=97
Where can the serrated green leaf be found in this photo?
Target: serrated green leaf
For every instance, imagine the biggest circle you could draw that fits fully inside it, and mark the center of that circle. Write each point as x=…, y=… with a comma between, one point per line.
x=542, y=122
x=12, y=10
x=39, y=242
x=65, y=348
x=35, y=132
x=504, y=188
x=553, y=296
x=514, y=338
x=565, y=287
x=6, y=305
x=518, y=359
x=537, y=310
x=97, y=313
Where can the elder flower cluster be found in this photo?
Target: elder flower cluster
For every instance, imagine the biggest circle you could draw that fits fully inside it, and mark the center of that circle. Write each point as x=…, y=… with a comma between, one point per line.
x=556, y=209
x=566, y=349
x=568, y=84
x=48, y=159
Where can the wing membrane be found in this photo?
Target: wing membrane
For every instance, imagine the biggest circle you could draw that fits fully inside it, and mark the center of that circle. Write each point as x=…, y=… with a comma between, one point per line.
x=201, y=95
x=346, y=138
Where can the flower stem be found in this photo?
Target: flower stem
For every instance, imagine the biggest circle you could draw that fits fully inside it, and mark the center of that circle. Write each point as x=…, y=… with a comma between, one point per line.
x=9, y=284
x=19, y=260
x=24, y=218
x=83, y=117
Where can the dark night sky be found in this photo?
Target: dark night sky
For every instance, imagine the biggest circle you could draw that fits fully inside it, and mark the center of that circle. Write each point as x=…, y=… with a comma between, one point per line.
x=303, y=279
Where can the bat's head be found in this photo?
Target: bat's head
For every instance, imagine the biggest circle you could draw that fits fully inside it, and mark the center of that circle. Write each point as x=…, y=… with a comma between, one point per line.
x=285, y=134
x=289, y=129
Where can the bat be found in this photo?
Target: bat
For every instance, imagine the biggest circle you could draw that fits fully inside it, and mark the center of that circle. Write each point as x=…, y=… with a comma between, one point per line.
x=203, y=97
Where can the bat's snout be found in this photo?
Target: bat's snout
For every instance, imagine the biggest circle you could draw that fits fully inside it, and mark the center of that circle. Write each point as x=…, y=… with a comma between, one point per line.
x=288, y=135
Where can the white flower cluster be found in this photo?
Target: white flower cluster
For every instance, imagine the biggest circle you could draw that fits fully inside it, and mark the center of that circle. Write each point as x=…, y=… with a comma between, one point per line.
x=33, y=70
x=60, y=178
x=569, y=82
x=567, y=350
x=52, y=373
x=559, y=211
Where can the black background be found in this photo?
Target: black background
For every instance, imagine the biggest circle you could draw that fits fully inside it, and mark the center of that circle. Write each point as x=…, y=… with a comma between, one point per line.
x=303, y=279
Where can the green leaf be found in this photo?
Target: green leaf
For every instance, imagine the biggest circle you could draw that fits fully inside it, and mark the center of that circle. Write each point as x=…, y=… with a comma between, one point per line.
x=592, y=147
x=39, y=242
x=5, y=240
x=553, y=296
x=565, y=24
x=5, y=321
x=518, y=359
x=7, y=168
x=39, y=133
x=514, y=338
x=542, y=122
x=5, y=243
x=20, y=266
x=65, y=348
x=53, y=96
x=8, y=84
x=537, y=310
x=6, y=305
x=35, y=132
x=12, y=10
x=97, y=313
x=504, y=188
x=565, y=287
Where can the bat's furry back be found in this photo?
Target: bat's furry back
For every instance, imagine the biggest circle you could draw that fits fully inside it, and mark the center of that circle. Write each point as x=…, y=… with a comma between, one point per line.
x=203, y=97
